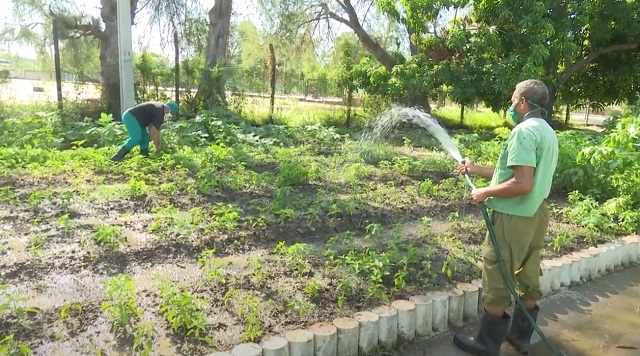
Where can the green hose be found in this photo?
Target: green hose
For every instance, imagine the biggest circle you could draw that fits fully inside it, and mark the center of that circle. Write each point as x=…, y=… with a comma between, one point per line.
x=505, y=274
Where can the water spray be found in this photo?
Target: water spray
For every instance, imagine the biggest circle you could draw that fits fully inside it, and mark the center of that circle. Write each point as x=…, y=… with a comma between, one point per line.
x=397, y=114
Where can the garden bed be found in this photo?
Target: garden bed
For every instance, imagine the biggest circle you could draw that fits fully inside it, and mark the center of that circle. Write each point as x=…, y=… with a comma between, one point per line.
x=207, y=247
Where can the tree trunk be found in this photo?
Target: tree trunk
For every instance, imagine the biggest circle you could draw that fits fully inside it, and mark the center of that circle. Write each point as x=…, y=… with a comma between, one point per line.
x=109, y=69
x=57, y=67
x=108, y=37
x=553, y=93
x=211, y=90
x=349, y=105
x=441, y=98
x=109, y=66
x=353, y=22
x=272, y=75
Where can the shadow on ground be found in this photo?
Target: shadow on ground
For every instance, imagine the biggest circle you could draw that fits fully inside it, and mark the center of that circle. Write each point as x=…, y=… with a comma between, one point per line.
x=600, y=318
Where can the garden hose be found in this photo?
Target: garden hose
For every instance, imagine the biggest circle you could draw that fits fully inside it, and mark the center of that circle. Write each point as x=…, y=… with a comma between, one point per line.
x=505, y=275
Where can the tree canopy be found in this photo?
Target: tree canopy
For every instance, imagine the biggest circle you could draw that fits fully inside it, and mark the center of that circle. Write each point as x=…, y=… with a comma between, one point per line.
x=587, y=52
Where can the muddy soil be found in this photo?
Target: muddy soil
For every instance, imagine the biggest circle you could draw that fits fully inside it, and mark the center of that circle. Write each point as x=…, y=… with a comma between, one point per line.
x=55, y=264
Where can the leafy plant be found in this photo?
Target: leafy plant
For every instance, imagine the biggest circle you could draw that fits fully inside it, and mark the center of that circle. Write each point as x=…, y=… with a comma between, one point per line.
x=120, y=303
x=184, y=311
x=109, y=236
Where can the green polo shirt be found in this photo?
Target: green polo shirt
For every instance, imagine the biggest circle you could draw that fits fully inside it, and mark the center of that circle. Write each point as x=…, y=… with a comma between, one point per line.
x=532, y=143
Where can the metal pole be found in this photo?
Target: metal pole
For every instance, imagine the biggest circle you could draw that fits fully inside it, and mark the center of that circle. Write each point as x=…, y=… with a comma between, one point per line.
x=125, y=56
x=176, y=48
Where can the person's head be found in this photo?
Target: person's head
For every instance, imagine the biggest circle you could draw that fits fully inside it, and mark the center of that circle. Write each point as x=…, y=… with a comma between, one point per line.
x=171, y=108
x=528, y=99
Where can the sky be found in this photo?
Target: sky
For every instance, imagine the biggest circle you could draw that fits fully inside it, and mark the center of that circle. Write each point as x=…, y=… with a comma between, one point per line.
x=140, y=32
x=142, y=36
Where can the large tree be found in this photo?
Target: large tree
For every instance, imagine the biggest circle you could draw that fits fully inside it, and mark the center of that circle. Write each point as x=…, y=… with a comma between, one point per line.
x=420, y=21
x=31, y=13
x=586, y=51
x=211, y=91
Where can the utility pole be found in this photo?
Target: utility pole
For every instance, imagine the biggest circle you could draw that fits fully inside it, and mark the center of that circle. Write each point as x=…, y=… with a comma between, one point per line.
x=125, y=56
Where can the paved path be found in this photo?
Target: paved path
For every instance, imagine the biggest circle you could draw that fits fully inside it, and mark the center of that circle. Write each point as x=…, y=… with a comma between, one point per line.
x=593, y=120
x=600, y=318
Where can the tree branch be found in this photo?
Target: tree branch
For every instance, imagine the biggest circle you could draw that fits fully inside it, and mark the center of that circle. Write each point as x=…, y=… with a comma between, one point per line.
x=366, y=13
x=327, y=13
x=582, y=64
x=81, y=27
x=343, y=6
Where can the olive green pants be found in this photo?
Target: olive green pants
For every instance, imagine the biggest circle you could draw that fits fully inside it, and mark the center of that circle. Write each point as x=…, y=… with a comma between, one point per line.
x=520, y=240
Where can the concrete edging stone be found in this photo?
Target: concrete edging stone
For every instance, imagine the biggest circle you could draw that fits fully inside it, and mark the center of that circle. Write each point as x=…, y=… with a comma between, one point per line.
x=435, y=312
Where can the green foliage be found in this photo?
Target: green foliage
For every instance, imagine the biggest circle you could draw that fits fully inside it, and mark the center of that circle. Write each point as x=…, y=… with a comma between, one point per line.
x=4, y=76
x=120, y=303
x=349, y=220
x=560, y=34
x=154, y=72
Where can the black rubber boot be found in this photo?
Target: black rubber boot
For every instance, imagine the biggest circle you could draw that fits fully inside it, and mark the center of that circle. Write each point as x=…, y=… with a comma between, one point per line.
x=118, y=157
x=490, y=336
x=519, y=337
x=144, y=153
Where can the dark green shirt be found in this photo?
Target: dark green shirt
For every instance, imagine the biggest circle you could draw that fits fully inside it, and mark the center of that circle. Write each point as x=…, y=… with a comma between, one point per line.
x=149, y=113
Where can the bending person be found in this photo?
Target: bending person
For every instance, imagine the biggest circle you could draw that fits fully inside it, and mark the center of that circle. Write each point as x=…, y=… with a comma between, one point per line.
x=143, y=122
x=520, y=184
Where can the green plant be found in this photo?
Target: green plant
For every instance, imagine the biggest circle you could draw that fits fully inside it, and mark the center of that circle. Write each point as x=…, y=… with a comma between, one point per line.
x=120, y=303
x=109, y=236
x=9, y=347
x=144, y=335
x=69, y=309
x=248, y=309
x=212, y=267
x=12, y=303
x=184, y=311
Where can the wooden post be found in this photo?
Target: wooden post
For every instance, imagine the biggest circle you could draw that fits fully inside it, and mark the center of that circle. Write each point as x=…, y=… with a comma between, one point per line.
x=176, y=47
x=272, y=70
x=56, y=58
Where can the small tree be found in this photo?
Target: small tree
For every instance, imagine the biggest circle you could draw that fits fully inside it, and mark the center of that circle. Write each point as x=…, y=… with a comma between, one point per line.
x=346, y=77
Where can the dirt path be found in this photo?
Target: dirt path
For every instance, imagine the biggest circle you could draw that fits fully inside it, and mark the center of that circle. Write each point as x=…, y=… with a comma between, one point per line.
x=600, y=318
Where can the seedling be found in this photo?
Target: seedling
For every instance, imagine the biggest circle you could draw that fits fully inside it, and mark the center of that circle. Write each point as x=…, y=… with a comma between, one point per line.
x=248, y=309
x=12, y=303
x=8, y=346
x=120, y=303
x=294, y=257
x=144, y=335
x=70, y=309
x=183, y=311
x=212, y=267
x=109, y=236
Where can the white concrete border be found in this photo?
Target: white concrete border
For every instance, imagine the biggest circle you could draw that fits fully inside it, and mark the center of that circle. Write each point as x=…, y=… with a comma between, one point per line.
x=431, y=313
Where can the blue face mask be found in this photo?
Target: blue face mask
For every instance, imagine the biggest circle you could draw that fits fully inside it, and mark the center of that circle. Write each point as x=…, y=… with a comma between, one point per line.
x=516, y=117
x=513, y=114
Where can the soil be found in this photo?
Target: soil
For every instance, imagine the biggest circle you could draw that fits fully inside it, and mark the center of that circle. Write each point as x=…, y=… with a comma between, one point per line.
x=54, y=267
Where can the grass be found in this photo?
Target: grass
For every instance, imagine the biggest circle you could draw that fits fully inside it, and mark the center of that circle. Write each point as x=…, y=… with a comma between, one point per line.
x=239, y=231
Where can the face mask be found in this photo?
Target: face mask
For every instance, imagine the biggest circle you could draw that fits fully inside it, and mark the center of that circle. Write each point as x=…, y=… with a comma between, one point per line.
x=516, y=117
x=513, y=114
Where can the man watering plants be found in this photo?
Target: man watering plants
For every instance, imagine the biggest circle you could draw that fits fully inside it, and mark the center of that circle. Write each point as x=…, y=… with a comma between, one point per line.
x=520, y=183
x=143, y=122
